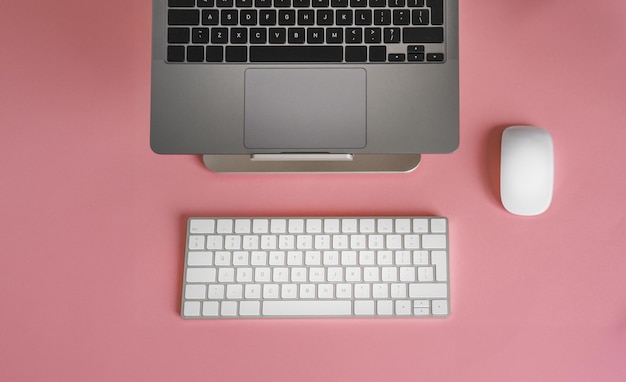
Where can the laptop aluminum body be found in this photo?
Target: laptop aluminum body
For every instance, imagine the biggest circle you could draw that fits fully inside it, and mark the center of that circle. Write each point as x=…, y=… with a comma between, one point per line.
x=325, y=116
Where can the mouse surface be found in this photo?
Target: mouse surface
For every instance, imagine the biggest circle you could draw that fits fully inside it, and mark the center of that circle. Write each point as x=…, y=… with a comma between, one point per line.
x=526, y=170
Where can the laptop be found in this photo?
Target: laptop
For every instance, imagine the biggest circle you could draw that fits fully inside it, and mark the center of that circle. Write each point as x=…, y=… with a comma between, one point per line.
x=305, y=85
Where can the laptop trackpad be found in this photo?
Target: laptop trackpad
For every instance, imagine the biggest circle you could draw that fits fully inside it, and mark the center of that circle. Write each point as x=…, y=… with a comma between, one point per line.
x=305, y=108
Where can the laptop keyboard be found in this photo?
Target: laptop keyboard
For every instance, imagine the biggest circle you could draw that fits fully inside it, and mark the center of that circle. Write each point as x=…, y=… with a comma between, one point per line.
x=309, y=31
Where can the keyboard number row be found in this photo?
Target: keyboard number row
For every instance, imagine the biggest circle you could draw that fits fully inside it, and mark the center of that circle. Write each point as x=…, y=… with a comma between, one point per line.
x=304, y=242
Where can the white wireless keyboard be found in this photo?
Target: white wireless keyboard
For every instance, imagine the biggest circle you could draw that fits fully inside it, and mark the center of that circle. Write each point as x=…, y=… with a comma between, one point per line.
x=316, y=267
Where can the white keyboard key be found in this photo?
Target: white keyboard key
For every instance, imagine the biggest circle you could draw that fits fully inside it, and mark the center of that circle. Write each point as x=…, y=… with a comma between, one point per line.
x=277, y=258
x=226, y=275
x=286, y=242
x=403, y=225
x=296, y=226
x=385, y=257
x=224, y=226
x=260, y=226
x=367, y=257
x=440, y=307
x=380, y=291
x=250, y=242
x=384, y=307
x=201, y=275
x=191, y=309
x=242, y=226
x=420, y=258
x=367, y=226
x=438, y=225
x=428, y=290
x=331, y=226
x=298, y=274
x=289, y=291
x=385, y=225
x=269, y=241
x=295, y=258
x=341, y=242
x=250, y=308
x=244, y=275
x=307, y=308
x=229, y=308
x=362, y=290
x=313, y=258
x=322, y=241
x=241, y=258
x=196, y=242
x=398, y=290
x=216, y=292
x=202, y=226
x=425, y=274
x=222, y=258
x=278, y=226
x=411, y=241
x=434, y=241
x=210, y=309
x=331, y=258
x=307, y=291
x=403, y=257
x=404, y=307
x=335, y=274
x=376, y=241
x=358, y=242
x=439, y=260
x=200, y=258
x=304, y=242
x=364, y=308
x=252, y=291
x=349, y=226
x=348, y=257
x=344, y=290
x=258, y=258
x=270, y=291
x=394, y=241
x=262, y=275
x=280, y=275
x=232, y=242
x=234, y=291
x=214, y=242
x=420, y=225
x=195, y=291
x=353, y=274
x=314, y=226
x=325, y=291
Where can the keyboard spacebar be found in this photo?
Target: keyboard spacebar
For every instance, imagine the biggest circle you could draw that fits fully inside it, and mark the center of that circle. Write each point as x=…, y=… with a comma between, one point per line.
x=307, y=308
x=296, y=53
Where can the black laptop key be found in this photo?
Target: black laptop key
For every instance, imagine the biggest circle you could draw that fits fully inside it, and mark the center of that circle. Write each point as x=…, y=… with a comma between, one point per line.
x=296, y=53
x=178, y=35
x=356, y=53
x=175, y=53
x=181, y=3
x=436, y=11
x=422, y=35
x=236, y=54
x=183, y=17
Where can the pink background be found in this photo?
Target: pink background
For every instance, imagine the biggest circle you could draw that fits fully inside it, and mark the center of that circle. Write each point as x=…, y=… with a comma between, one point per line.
x=92, y=222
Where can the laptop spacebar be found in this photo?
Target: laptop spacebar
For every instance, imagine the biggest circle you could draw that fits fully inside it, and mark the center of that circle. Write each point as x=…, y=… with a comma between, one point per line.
x=296, y=54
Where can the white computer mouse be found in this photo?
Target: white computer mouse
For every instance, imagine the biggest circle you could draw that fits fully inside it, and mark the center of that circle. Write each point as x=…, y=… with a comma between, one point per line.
x=526, y=170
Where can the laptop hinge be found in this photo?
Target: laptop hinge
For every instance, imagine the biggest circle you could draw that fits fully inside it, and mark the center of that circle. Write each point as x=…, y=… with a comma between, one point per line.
x=301, y=157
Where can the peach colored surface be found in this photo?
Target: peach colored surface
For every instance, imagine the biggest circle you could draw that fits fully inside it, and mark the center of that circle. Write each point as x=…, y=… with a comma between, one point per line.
x=92, y=222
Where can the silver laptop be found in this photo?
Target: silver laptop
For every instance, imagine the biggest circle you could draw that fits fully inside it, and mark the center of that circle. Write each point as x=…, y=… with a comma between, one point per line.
x=305, y=85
